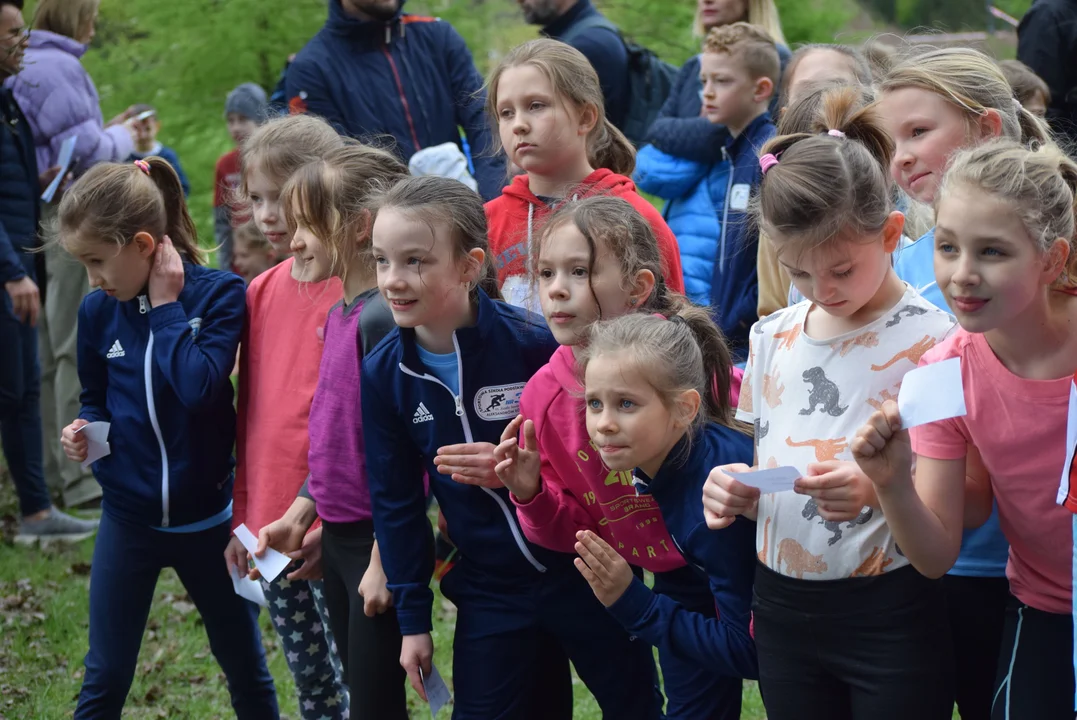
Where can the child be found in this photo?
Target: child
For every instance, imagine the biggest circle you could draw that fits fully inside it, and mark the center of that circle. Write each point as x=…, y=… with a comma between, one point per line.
x=1028, y=87
x=156, y=345
x=545, y=99
x=278, y=372
x=252, y=254
x=146, y=127
x=245, y=110
x=452, y=373
x=844, y=628
x=1004, y=259
x=933, y=104
x=596, y=259
x=654, y=410
x=326, y=204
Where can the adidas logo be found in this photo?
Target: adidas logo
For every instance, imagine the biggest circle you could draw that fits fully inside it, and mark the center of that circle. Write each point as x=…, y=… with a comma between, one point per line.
x=421, y=414
x=116, y=350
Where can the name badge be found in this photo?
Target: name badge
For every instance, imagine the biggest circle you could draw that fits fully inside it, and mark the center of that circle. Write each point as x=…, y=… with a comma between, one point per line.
x=738, y=196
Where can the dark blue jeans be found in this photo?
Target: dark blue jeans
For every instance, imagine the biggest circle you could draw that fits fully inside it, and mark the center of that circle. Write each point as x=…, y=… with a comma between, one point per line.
x=126, y=562
x=20, y=410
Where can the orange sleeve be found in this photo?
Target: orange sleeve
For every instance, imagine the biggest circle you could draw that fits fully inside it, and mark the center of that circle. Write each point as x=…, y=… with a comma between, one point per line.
x=667, y=242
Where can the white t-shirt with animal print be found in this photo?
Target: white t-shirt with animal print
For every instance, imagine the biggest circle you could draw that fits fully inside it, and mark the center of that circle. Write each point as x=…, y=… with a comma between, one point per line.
x=807, y=398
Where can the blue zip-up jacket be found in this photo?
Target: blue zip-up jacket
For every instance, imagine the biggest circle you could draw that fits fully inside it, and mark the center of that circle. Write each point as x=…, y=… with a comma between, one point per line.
x=161, y=377
x=412, y=78
x=408, y=414
x=696, y=194
x=18, y=192
x=735, y=286
x=680, y=131
x=726, y=556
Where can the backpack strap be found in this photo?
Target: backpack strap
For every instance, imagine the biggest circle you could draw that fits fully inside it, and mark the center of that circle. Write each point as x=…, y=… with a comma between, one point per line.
x=595, y=20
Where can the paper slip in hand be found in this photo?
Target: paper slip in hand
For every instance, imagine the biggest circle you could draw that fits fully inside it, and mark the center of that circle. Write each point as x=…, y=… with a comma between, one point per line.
x=67, y=151
x=96, y=434
x=249, y=589
x=437, y=692
x=271, y=564
x=931, y=393
x=769, y=480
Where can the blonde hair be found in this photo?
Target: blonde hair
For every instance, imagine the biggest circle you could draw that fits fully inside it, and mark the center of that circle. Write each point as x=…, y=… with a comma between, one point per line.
x=748, y=44
x=113, y=202
x=573, y=79
x=283, y=145
x=331, y=197
x=1040, y=184
x=674, y=354
x=762, y=13
x=70, y=18
x=826, y=185
x=970, y=81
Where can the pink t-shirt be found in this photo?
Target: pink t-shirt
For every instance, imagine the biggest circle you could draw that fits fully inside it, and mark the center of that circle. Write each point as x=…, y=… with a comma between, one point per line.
x=1019, y=427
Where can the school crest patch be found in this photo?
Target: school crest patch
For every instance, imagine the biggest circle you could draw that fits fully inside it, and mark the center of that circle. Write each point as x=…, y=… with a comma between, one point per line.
x=499, y=402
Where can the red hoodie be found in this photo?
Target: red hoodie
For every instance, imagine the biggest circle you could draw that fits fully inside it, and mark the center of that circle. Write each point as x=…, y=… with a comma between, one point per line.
x=516, y=217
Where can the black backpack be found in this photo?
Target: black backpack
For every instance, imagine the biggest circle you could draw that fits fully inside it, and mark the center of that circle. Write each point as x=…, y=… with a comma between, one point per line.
x=649, y=78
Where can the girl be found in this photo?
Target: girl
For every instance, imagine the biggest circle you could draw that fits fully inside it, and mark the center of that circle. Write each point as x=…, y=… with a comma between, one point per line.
x=452, y=373
x=933, y=104
x=1004, y=260
x=252, y=253
x=598, y=259
x=325, y=204
x=815, y=370
x=156, y=345
x=653, y=409
x=546, y=103
x=282, y=349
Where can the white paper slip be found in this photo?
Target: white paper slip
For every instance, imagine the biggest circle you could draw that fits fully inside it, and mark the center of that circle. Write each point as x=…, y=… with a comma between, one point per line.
x=271, y=564
x=931, y=393
x=1071, y=447
x=437, y=692
x=249, y=589
x=67, y=151
x=96, y=434
x=769, y=480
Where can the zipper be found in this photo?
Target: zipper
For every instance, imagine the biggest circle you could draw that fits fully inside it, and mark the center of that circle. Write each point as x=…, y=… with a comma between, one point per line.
x=725, y=212
x=468, y=437
x=403, y=97
x=151, y=406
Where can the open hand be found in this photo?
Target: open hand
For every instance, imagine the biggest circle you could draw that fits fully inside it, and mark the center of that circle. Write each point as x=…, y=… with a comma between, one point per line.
x=724, y=498
x=882, y=449
x=469, y=464
x=518, y=467
x=608, y=574
x=166, y=276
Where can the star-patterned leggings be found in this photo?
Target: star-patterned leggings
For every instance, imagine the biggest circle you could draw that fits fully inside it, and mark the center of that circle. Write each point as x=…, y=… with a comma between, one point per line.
x=297, y=609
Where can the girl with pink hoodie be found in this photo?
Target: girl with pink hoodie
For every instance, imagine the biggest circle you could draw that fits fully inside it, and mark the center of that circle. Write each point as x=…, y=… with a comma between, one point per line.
x=598, y=259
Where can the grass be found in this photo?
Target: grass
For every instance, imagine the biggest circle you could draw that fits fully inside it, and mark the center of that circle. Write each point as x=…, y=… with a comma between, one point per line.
x=44, y=606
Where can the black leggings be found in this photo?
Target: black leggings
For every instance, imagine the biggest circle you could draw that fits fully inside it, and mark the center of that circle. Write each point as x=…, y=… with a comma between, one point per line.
x=875, y=648
x=369, y=648
x=977, y=610
x=1035, y=666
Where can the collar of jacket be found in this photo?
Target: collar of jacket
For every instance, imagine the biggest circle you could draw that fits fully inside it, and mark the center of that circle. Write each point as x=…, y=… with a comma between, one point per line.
x=345, y=25
x=749, y=132
x=670, y=473
x=558, y=27
x=471, y=339
x=40, y=39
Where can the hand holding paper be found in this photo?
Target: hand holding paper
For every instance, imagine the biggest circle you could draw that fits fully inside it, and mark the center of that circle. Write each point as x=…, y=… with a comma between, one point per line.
x=249, y=589
x=67, y=152
x=768, y=480
x=271, y=564
x=437, y=692
x=96, y=434
x=931, y=393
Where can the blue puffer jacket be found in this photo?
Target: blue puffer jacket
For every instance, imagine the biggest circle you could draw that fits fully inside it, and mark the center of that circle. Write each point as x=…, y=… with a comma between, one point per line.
x=161, y=376
x=18, y=192
x=679, y=129
x=696, y=195
x=411, y=77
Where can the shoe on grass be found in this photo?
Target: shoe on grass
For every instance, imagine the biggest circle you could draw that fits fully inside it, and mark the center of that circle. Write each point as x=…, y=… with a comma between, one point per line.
x=57, y=526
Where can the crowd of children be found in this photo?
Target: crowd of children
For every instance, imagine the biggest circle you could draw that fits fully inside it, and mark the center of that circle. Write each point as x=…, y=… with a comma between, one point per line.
x=581, y=388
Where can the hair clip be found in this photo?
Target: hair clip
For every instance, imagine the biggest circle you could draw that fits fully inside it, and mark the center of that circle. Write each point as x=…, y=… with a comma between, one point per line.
x=835, y=133
x=767, y=162
x=143, y=166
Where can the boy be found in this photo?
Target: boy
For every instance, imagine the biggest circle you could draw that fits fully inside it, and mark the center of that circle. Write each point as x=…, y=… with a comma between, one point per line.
x=1028, y=87
x=739, y=70
x=244, y=109
x=146, y=127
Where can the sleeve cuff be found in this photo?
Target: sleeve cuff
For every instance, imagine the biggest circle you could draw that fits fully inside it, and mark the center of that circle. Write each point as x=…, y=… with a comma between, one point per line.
x=630, y=608
x=414, y=622
x=539, y=510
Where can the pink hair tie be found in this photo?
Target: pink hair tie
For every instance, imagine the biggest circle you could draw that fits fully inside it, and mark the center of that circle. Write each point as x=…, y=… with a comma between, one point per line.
x=835, y=133
x=767, y=162
x=143, y=166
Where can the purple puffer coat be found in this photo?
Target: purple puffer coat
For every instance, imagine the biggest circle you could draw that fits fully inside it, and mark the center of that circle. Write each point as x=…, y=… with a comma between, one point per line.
x=59, y=99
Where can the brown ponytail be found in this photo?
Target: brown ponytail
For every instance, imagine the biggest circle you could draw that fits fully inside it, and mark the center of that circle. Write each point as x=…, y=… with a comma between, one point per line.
x=179, y=226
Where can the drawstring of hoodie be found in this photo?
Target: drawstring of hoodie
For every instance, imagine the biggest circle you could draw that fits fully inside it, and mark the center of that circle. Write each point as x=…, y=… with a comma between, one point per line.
x=389, y=31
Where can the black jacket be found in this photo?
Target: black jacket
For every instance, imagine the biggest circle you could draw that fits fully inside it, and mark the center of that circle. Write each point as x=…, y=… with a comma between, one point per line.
x=1047, y=43
x=18, y=193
